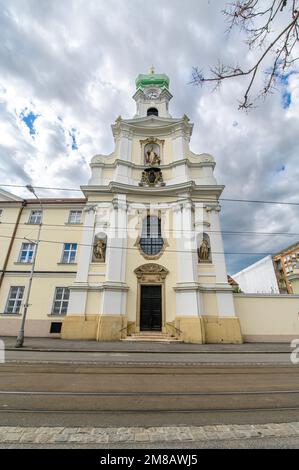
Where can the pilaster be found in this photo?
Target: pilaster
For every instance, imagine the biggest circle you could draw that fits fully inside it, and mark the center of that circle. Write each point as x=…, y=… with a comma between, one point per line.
x=225, y=300
x=78, y=295
x=114, y=296
x=188, y=302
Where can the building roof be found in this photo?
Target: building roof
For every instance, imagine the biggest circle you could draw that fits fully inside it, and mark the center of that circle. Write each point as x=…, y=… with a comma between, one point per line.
x=231, y=281
x=294, y=246
x=57, y=200
x=152, y=79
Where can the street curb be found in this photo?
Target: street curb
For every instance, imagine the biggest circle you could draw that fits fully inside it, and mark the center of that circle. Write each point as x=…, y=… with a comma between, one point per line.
x=136, y=435
x=145, y=351
x=150, y=364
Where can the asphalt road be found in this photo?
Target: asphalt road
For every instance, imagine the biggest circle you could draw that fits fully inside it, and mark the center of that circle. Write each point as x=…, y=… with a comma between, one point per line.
x=155, y=394
x=147, y=358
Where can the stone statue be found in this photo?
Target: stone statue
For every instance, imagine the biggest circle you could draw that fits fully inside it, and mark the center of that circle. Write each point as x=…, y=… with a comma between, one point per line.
x=152, y=157
x=204, y=251
x=99, y=250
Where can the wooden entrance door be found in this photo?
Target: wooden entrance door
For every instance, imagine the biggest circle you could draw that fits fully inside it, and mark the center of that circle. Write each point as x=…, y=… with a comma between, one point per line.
x=150, y=308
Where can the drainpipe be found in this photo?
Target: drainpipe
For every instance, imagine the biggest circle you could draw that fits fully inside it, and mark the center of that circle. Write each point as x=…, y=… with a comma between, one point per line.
x=24, y=204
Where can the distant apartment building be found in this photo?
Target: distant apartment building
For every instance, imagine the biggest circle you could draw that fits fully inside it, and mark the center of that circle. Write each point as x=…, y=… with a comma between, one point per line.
x=276, y=274
x=286, y=265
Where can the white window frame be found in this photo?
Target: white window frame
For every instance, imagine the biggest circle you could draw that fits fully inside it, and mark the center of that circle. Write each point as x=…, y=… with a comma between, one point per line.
x=35, y=217
x=17, y=300
x=68, y=252
x=31, y=247
x=65, y=297
x=76, y=212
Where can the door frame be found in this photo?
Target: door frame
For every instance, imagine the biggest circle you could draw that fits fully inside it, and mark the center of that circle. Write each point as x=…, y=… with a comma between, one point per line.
x=151, y=274
x=148, y=284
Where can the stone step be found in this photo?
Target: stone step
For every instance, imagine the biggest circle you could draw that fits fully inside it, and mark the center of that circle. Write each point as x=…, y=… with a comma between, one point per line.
x=149, y=336
x=145, y=339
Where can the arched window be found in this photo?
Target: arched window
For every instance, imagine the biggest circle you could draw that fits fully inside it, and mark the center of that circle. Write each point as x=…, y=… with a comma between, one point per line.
x=151, y=241
x=152, y=112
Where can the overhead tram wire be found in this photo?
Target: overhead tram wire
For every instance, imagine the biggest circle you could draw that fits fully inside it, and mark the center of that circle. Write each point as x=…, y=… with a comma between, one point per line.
x=169, y=230
x=137, y=249
x=253, y=201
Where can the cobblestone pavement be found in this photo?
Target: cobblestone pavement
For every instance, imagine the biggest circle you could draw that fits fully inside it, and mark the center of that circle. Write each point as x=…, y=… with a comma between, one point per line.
x=89, y=435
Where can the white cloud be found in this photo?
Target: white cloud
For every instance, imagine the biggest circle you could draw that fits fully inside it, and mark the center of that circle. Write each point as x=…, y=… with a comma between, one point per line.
x=73, y=64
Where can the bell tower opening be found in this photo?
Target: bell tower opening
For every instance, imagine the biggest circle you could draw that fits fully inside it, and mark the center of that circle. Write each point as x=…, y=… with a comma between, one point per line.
x=152, y=112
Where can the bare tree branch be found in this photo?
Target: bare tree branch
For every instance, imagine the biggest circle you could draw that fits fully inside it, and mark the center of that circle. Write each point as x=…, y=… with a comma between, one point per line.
x=257, y=21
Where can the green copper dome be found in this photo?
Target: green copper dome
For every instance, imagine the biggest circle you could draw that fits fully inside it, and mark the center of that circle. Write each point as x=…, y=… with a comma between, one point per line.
x=152, y=79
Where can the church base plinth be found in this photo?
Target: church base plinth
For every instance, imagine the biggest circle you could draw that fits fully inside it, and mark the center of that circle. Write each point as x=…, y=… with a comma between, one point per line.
x=96, y=327
x=80, y=327
x=222, y=330
x=191, y=329
x=112, y=327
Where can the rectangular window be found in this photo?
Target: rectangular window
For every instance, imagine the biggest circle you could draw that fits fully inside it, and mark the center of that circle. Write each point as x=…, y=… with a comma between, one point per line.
x=55, y=327
x=61, y=301
x=1, y=212
x=35, y=217
x=75, y=217
x=27, y=253
x=14, y=300
x=69, y=253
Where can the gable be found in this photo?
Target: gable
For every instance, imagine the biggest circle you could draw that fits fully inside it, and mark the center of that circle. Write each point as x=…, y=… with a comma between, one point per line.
x=5, y=196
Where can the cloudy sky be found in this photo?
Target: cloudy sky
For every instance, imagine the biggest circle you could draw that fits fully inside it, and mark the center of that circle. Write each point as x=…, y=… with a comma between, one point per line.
x=68, y=69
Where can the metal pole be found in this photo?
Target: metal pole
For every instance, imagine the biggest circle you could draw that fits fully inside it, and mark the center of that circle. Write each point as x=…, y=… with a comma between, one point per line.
x=21, y=334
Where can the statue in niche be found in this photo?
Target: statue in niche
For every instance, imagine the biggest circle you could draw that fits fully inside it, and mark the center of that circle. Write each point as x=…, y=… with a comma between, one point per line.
x=204, y=251
x=152, y=155
x=99, y=250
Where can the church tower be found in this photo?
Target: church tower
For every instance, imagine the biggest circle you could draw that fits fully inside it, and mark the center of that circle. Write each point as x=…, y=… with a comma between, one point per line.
x=151, y=260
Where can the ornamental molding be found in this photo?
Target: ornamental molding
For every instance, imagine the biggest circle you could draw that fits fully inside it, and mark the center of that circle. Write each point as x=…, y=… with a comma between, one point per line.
x=213, y=208
x=99, y=162
x=198, y=191
x=151, y=272
x=151, y=257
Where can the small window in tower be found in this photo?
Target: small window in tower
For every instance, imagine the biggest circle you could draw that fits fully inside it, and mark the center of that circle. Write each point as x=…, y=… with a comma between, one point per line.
x=152, y=112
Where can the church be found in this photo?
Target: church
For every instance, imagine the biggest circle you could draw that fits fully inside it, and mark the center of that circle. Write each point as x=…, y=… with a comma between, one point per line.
x=139, y=256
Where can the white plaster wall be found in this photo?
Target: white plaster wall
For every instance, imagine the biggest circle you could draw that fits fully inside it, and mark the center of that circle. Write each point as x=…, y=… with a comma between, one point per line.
x=258, y=278
x=268, y=317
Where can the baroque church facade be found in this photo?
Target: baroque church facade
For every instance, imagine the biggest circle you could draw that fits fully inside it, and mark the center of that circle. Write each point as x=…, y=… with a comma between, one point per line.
x=140, y=254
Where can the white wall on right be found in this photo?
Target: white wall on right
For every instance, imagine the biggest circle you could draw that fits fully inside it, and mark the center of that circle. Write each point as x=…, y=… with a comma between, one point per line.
x=268, y=318
x=258, y=278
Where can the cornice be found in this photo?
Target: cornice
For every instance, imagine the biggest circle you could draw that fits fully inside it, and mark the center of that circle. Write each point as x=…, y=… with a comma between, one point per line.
x=119, y=161
x=257, y=296
x=196, y=286
x=174, y=189
x=106, y=285
x=155, y=123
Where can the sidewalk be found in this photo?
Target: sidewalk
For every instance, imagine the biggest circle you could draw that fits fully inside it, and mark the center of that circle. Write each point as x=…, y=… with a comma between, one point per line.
x=137, y=435
x=57, y=345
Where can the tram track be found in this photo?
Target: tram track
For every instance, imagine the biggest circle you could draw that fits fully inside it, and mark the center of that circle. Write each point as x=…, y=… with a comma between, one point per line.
x=142, y=393
x=42, y=394
x=148, y=402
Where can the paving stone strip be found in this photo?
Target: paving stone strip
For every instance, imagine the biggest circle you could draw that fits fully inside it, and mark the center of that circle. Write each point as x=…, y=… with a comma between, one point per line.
x=56, y=435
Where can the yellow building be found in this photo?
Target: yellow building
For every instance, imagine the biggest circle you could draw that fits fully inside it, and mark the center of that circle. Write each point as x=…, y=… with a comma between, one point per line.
x=286, y=264
x=140, y=254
